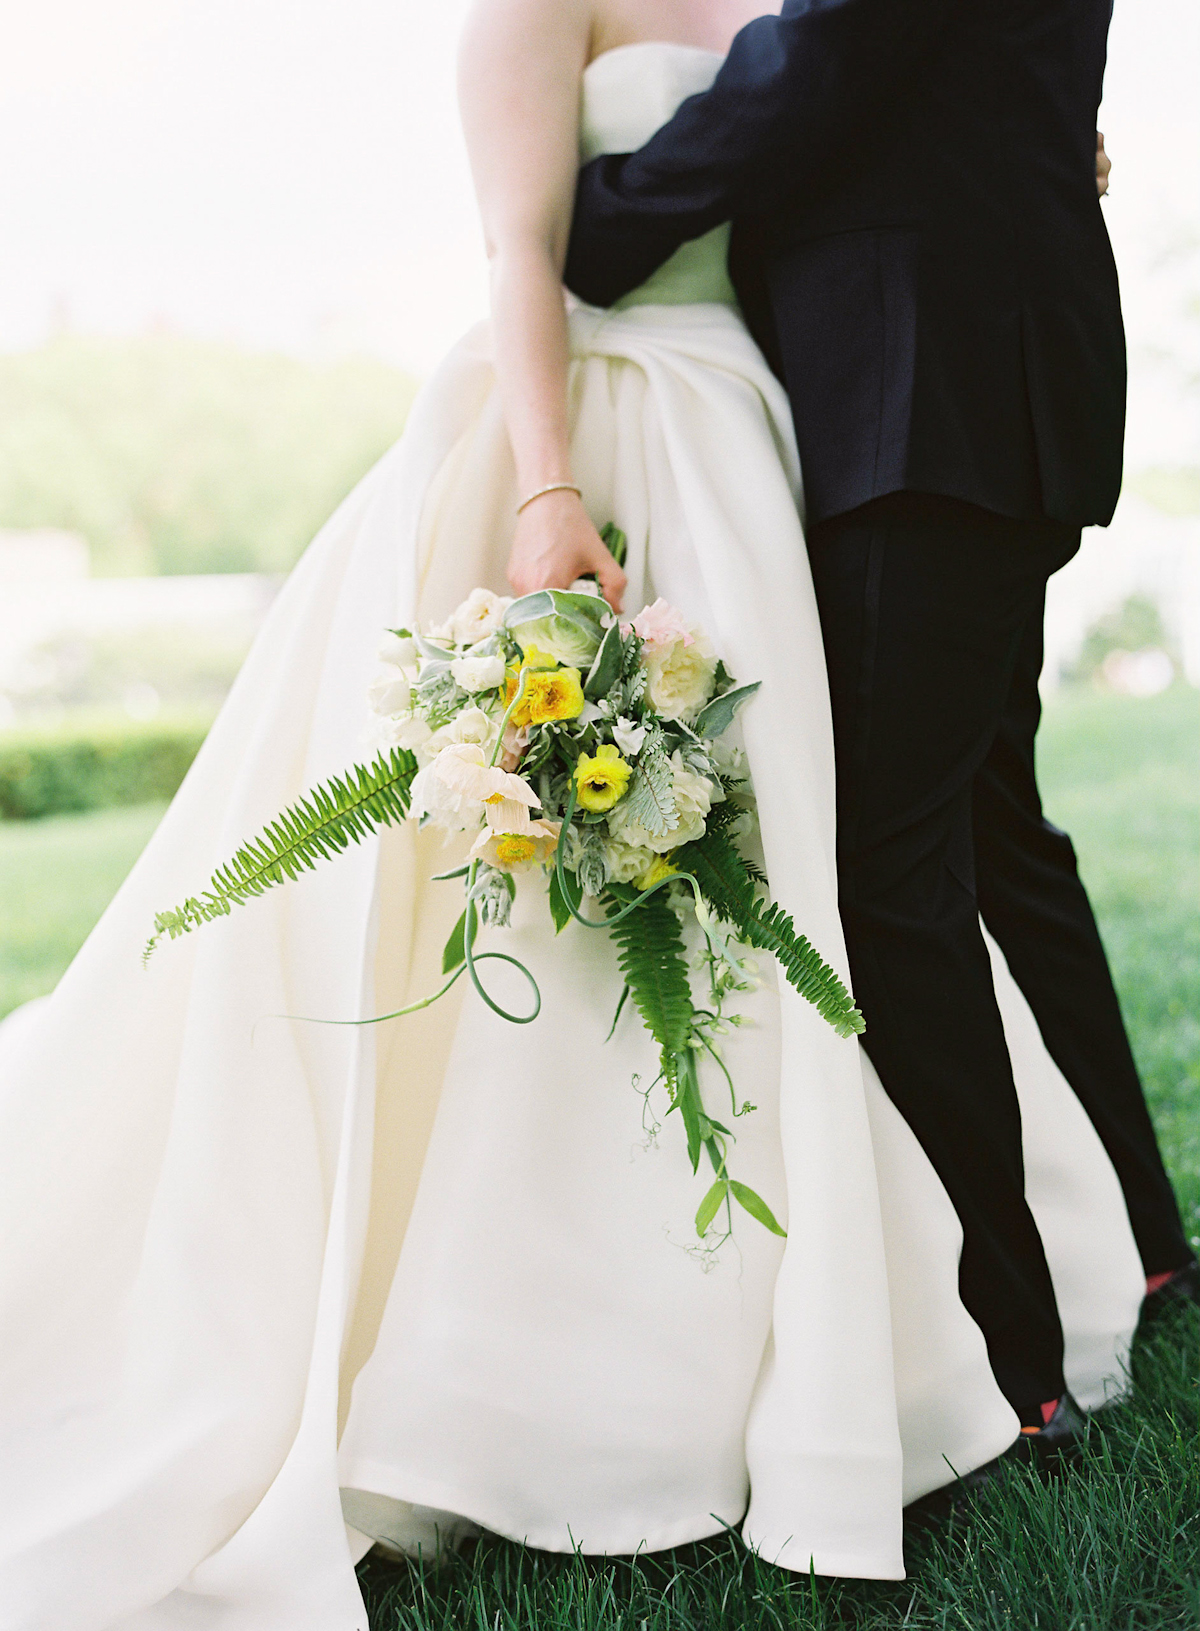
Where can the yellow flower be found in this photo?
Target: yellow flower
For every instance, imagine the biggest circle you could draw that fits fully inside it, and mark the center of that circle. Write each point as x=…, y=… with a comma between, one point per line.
x=660, y=867
x=602, y=779
x=541, y=666
x=551, y=695
x=533, y=658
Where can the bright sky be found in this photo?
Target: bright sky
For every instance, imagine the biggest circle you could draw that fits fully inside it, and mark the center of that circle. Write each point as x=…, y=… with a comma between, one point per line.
x=292, y=174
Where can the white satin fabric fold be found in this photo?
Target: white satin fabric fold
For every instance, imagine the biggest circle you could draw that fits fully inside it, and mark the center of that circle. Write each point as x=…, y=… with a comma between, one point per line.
x=195, y=1256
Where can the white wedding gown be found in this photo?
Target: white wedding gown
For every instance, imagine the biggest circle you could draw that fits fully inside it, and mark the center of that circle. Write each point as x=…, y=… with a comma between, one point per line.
x=216, y=1223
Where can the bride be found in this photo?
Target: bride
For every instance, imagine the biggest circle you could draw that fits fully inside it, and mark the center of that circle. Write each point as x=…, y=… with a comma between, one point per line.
x=273, y=1291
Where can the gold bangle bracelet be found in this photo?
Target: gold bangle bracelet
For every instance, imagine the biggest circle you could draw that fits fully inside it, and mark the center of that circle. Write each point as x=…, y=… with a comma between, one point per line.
x=550, y=487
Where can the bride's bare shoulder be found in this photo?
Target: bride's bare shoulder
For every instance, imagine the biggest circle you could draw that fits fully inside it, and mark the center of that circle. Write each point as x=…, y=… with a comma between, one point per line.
x=503, y=34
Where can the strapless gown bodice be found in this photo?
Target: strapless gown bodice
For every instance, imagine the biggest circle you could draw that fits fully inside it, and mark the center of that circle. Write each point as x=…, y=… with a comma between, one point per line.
x=628, y=94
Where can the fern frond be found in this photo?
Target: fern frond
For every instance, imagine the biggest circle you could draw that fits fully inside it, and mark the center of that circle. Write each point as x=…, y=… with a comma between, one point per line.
x=652, y=959
x=730, y=884
x=319, y=826
x=716, y=863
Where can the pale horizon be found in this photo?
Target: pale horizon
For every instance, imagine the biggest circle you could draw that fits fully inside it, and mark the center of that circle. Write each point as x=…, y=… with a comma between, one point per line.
x=294, y=178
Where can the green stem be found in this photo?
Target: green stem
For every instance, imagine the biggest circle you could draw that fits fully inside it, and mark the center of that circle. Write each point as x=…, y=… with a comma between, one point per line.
x=633, y=905
x=469, y=931
x=724, y=1069
x=423, y=1002
x=508, y=713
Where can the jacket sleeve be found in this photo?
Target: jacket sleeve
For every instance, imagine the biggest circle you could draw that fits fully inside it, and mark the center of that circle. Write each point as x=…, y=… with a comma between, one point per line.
x=795, y=93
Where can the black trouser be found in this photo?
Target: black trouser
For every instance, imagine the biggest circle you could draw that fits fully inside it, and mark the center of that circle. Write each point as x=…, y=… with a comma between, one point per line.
x=931, y=612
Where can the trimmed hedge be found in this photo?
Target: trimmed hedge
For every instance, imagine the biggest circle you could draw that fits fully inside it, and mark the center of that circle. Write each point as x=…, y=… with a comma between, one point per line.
x=92, y=764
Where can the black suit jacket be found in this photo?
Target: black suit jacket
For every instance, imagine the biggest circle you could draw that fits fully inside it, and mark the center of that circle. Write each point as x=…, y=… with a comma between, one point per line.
x=918, y=245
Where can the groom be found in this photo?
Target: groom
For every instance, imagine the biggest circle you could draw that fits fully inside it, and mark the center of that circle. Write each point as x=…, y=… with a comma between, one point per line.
x=919, y=249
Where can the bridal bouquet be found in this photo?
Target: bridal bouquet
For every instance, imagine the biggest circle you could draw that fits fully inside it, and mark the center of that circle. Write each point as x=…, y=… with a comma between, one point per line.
x=568, y=743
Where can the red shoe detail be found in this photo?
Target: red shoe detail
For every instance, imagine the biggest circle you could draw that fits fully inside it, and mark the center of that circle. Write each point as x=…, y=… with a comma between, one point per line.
x=1155, y=1282
x=1047, y=1410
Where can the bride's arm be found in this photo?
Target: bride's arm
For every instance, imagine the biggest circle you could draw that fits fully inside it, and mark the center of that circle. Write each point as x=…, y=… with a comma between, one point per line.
x=519, y=78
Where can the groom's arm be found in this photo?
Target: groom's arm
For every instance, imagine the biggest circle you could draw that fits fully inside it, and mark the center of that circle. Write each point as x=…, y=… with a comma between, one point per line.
x=794, y=92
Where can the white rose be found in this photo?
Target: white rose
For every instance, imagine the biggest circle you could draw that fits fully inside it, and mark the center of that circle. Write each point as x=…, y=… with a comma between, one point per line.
x=478, y=673
x=680, y=676
x=471, y=725
x=479, y=615
x=402, y=731
x=625, y=862
x=398, y=650
x=382, y=734
x=389, y=692
x=694, y=798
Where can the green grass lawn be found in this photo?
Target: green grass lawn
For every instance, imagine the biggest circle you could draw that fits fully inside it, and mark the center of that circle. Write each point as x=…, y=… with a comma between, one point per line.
x=56, y=877
x=1114, y=1546
x=1122, y=775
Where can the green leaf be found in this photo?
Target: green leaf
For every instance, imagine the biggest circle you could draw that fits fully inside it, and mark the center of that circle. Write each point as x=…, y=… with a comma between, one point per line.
x=606, y=665
x=756, y=1206
x=621, y=1001
x=691, y=1126
x=441, y=656
x=718, y=715
x=710, y=1206
x=454, y=953
x=650, y=800
x=615, y=541
x=445, y=877
x=559, y=909
x=323, y=823
x=593, y=609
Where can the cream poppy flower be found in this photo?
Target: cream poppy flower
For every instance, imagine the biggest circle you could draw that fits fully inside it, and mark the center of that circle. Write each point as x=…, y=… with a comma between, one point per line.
x=456, y=789
x=532, y=846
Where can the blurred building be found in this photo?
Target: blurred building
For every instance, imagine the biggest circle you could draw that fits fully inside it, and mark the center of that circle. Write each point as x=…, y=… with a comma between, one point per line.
x=49, y=606
x=41, y=555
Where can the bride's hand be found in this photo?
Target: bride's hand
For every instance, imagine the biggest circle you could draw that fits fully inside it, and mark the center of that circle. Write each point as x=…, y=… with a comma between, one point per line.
x=555, y=543
x=1103, y=165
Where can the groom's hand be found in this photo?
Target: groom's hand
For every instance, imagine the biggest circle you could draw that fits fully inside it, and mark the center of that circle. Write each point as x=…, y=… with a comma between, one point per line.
x=1103, y=165
x=555, y=543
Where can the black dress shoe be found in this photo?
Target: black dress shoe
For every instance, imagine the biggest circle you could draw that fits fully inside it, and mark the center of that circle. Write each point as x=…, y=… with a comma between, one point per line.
x=1049, y=1449
x=951, y=1498
x=1058, y=1443
x=1182, y=1287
